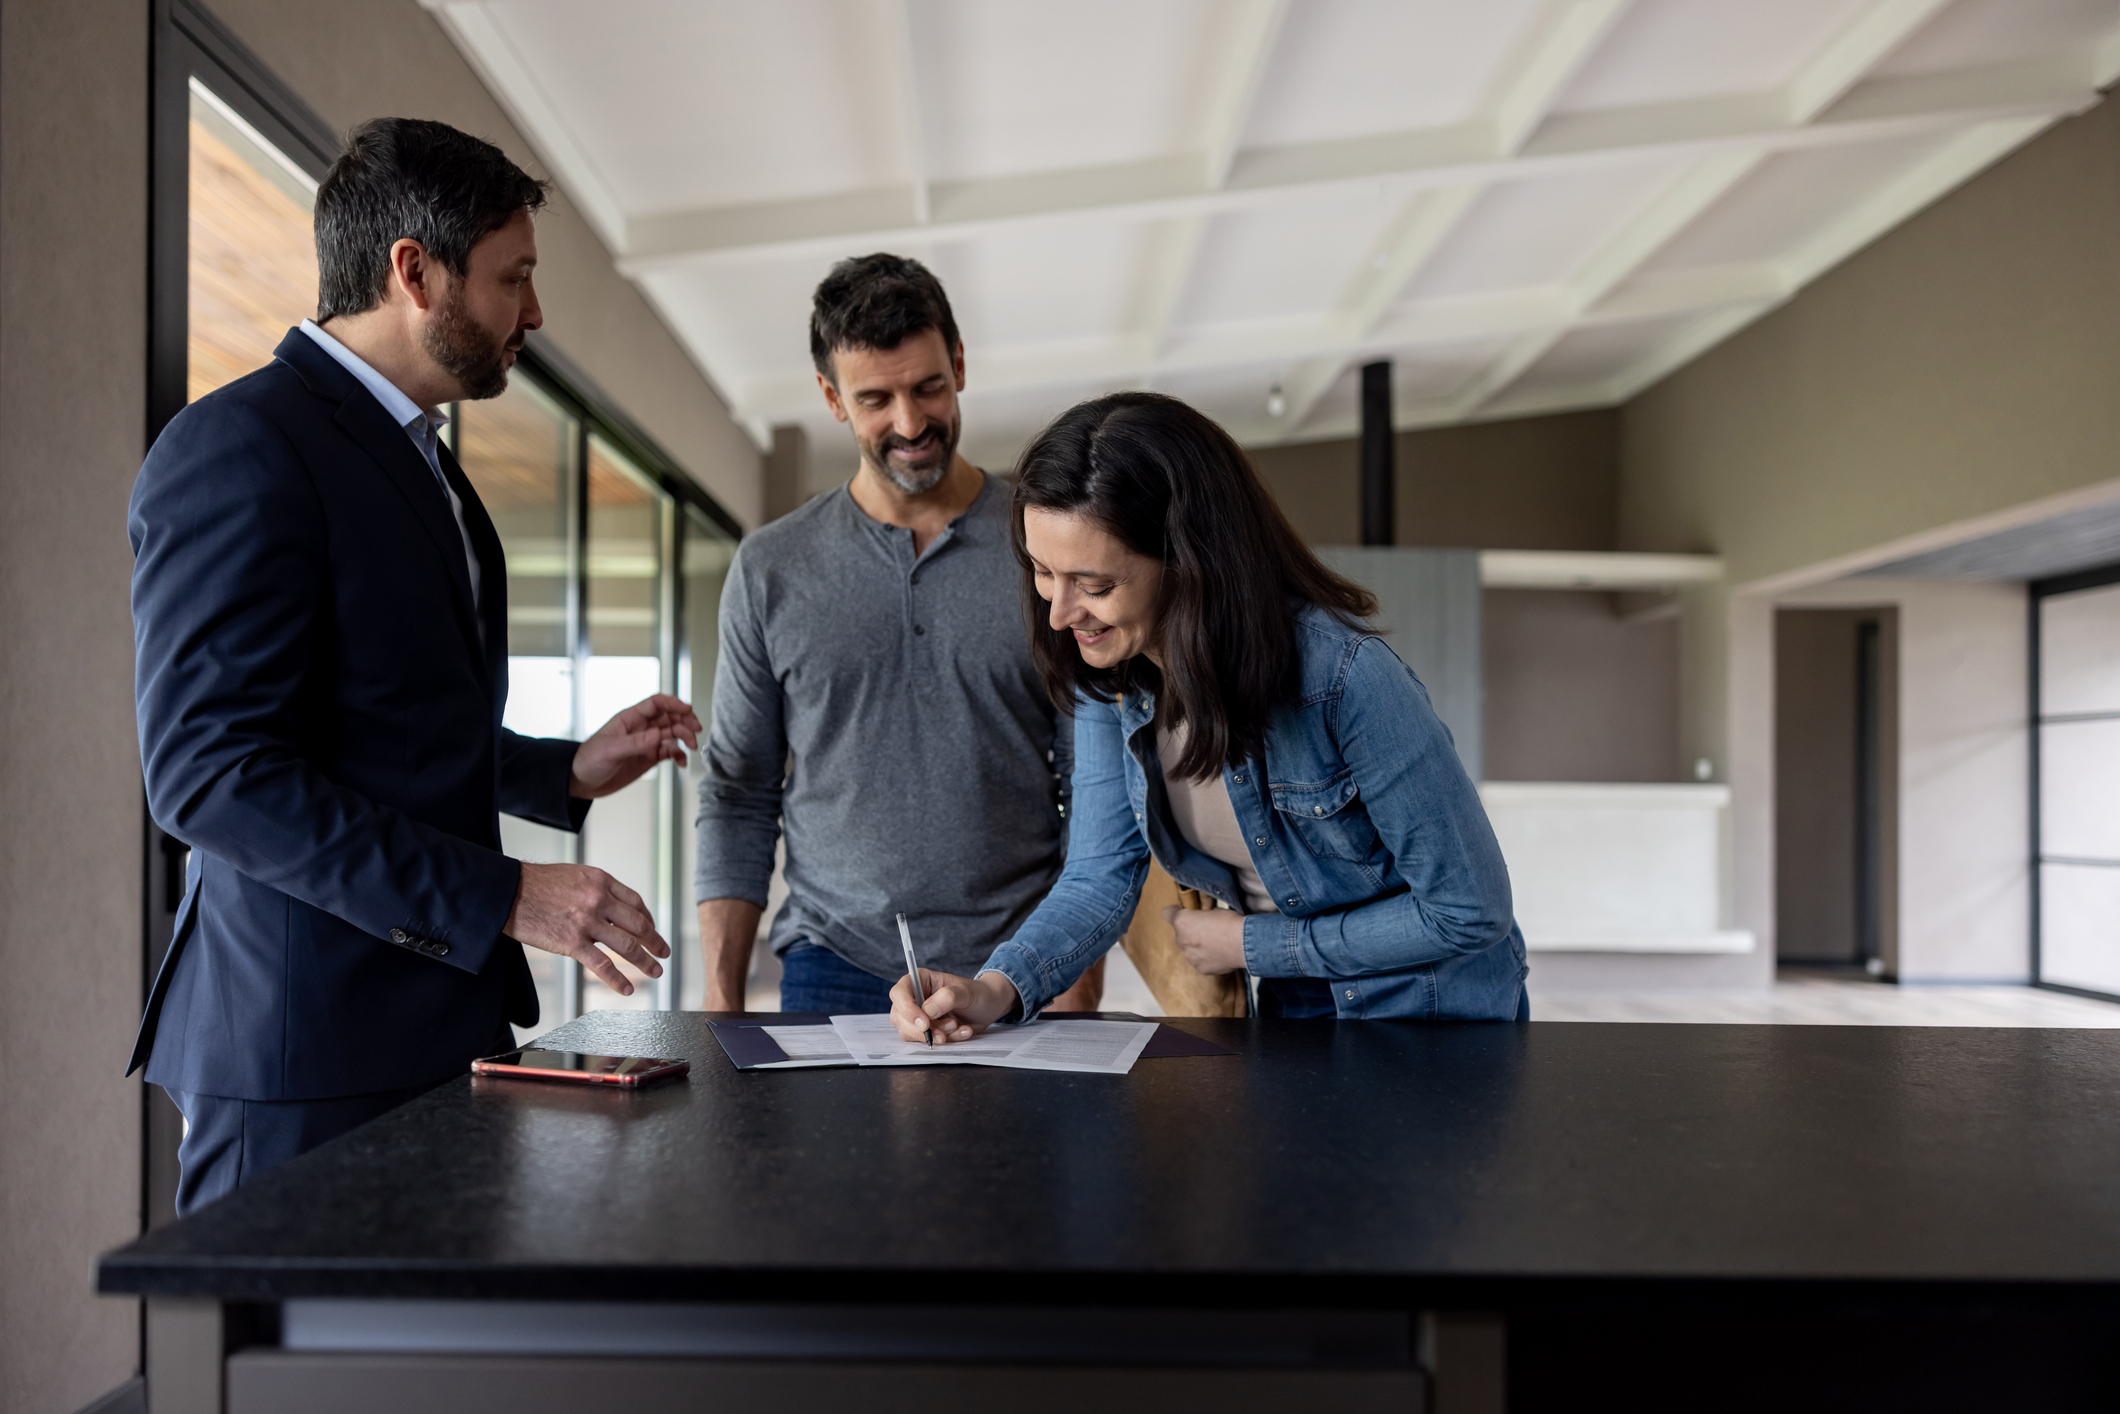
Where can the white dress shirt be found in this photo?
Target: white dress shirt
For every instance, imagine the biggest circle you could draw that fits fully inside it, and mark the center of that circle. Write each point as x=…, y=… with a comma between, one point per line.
x=423, y=427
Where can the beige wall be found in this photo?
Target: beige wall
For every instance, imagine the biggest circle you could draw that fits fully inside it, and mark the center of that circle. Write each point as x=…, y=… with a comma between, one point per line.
x=73, y=400
x=1534, y=483
x=1574, y=691
x=357, y=59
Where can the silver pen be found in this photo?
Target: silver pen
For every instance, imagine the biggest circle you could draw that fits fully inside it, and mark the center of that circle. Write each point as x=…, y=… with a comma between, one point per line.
x=912, y=973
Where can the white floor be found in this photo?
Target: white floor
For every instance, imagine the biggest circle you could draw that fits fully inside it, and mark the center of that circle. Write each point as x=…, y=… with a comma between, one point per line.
x=1800, y=1000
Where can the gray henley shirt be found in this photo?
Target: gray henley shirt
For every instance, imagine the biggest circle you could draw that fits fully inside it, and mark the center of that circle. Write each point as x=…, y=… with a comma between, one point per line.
x=884, y=711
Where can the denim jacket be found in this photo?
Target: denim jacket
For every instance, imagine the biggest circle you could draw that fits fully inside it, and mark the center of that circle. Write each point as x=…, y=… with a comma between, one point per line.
x=1363, y=826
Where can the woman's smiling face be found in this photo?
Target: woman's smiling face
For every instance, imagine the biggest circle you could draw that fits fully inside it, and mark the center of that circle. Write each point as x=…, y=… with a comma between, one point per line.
x=1101, y=591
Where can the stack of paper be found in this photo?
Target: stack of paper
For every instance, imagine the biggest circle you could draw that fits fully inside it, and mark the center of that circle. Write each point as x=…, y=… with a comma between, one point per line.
x=1093, y=1047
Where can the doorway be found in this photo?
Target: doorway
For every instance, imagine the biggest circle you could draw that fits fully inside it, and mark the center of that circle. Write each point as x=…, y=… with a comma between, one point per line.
x=1836, y=789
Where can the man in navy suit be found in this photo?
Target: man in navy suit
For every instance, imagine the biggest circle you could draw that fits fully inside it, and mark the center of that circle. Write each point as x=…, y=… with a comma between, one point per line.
x=320, y=618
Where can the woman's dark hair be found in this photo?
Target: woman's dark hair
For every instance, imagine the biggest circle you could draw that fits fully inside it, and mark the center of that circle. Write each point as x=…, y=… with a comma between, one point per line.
x=876, y=302
x=1171, y=484
x=409, y=179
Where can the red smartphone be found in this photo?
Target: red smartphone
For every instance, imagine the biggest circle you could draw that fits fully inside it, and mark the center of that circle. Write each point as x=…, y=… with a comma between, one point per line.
x=534, y=1064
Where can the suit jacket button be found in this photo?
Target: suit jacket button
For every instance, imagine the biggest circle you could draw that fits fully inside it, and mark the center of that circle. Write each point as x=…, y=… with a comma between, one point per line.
x=437, y=949
x=400, y=936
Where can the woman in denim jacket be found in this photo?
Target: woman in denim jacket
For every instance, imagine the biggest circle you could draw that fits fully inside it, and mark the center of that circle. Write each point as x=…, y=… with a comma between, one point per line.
x=1236, y=718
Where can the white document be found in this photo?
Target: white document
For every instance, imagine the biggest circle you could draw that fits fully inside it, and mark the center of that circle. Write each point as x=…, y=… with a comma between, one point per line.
x=806, y=1045
x=1095, y=1047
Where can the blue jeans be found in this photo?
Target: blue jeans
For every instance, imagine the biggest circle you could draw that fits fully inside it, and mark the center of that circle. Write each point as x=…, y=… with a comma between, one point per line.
x=816, y=979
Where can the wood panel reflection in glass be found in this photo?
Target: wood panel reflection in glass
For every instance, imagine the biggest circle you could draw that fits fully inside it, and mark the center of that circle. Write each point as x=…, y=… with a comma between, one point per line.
x=252, y=262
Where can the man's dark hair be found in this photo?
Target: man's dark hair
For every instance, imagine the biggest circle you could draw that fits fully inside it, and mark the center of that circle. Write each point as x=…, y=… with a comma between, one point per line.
x=407, y=178
x=876, y=302
x=1172, y=485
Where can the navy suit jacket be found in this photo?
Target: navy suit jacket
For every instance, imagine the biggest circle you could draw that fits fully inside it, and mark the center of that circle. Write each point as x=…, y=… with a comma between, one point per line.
x=320, y=722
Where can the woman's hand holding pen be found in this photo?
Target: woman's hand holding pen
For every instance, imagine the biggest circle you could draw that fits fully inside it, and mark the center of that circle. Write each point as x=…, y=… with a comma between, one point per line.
x=958, y=1008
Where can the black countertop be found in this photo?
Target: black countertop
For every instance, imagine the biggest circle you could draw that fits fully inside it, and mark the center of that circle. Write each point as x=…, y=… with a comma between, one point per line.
x=1327, y=1163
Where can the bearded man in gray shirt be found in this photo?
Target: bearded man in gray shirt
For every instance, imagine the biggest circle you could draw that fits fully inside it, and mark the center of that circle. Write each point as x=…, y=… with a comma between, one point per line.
x=875, y=696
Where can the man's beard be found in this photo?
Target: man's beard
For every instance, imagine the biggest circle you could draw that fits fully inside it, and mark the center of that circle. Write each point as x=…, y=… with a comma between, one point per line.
x=472, y=356
x=916, y=480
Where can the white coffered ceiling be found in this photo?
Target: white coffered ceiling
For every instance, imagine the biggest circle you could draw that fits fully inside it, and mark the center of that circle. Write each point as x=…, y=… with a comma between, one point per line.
x=1528, y=205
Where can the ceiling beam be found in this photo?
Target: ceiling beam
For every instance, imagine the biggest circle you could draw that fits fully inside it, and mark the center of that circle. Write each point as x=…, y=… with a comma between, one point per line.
x=907, y=37
x=1407, y=245
x=1301, y=388
x=1566, y=35
x=1827, y=77
x=479, y=37
x=1256, y=29
x=1312, y=350
x=1554, y=47
x=1927, y=181
x=1168, y=263
x=1882, y=27
x=1675, y=208
x=1769, y=284
x=1169, y=187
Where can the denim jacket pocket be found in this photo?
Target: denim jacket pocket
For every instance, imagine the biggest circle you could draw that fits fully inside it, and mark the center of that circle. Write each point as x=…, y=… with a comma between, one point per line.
x=1326, y=817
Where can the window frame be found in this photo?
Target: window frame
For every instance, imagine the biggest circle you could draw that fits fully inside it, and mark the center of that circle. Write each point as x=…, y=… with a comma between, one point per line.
x=2037, y=593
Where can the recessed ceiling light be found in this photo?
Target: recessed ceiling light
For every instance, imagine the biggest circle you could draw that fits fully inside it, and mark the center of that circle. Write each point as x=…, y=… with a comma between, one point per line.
x=1276, y=405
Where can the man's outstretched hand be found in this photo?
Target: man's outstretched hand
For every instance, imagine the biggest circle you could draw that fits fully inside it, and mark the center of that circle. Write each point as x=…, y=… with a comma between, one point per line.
x=571, y=908
x=625, y=748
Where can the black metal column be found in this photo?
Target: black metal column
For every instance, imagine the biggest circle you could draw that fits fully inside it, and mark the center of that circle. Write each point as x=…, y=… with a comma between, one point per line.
x=1377, y=470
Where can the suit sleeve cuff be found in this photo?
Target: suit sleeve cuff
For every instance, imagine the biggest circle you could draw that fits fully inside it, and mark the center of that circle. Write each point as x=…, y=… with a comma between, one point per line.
x=467, y=940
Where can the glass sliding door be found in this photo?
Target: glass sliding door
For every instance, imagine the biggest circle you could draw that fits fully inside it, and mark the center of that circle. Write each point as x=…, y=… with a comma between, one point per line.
x=630, y=653
x=2076, y=638
x=522, y=453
